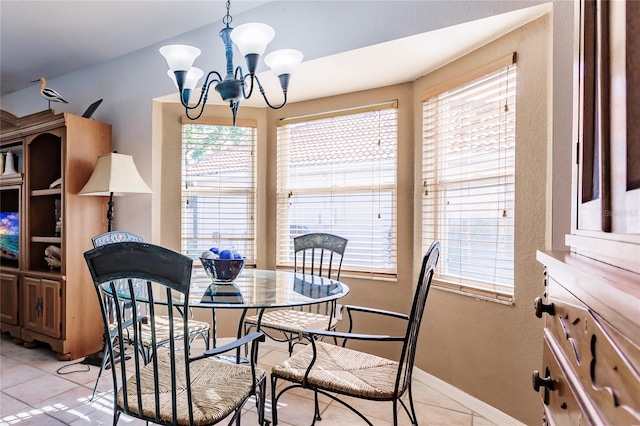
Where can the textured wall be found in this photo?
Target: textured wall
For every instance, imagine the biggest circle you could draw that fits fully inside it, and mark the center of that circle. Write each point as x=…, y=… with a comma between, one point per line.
x=483, y=348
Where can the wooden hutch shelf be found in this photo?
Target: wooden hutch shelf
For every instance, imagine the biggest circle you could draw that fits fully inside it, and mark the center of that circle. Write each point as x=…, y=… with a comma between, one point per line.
x=40, y=301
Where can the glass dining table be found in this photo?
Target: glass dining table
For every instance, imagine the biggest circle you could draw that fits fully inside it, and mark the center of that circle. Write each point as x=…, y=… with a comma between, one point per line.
x=261, y=289
x=254, y=289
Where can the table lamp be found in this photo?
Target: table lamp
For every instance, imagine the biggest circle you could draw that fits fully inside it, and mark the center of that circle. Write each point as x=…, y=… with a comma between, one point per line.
x=115, y=174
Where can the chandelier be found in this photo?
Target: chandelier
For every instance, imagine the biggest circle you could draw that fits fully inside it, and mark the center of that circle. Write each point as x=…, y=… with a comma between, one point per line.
x=251, y=39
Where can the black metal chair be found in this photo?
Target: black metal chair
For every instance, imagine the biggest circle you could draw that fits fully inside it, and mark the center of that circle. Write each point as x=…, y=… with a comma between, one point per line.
x=196, y=328
x=173, y=387
x=333, y=370
x=316, y=254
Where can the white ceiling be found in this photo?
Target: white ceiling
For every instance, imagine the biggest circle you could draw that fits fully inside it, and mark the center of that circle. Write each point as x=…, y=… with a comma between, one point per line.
x=81, y=34
x=394, y=62
x=52, y=38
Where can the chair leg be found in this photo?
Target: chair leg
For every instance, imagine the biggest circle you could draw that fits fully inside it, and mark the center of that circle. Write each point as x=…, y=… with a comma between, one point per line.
x=395, y=412
x=274, y=402
x=247, y=330
x=103, y=365
x=261, y=398
x=414, y=419
x=316, y=415
x=207, y=338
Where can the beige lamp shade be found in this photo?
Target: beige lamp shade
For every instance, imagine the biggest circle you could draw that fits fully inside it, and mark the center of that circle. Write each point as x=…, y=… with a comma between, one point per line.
x=115, y=174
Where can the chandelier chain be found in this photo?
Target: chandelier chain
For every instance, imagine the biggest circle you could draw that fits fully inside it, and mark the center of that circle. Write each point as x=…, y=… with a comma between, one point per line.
x=227, y=18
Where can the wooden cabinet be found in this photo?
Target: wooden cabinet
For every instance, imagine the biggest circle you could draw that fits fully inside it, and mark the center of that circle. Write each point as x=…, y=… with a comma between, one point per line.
x=590, y=372
x=592, y=342
x=56, y=301
x=41, y=303
x=606, y=207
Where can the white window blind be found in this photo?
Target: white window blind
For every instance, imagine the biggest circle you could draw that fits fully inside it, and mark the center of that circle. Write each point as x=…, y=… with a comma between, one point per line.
x=468, y=169
x=337, y=174
x=218, y=189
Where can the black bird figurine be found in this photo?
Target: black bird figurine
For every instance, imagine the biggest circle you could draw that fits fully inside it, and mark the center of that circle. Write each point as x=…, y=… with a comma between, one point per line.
x=92, y=108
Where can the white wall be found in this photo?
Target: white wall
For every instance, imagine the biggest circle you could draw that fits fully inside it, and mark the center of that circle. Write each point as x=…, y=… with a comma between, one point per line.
x=129, y=83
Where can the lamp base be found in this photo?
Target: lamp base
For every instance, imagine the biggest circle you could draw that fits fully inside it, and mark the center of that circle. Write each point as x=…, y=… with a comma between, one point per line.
x=110, y=213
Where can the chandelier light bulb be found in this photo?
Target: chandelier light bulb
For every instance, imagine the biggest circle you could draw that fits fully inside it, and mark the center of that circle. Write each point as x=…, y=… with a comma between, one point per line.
x=252, y=38
x=193, y=76
x=180, y=57
x=283, y=61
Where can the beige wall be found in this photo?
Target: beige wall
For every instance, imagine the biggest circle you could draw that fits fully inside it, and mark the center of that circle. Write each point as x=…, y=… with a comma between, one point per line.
x=487, y=349
x=484, y=348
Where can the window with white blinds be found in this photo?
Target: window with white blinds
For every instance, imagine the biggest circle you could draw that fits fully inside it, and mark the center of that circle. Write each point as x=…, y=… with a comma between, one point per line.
x=468, y=169
x=337, y=174
x=218, y=189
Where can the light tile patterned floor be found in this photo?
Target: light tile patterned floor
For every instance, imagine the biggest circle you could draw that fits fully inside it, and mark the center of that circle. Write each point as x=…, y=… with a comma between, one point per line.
x=37, y=389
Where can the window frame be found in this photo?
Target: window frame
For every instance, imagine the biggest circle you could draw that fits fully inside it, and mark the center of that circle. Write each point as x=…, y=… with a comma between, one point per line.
x=250, y=192
x=476, y=288
x=387, y=189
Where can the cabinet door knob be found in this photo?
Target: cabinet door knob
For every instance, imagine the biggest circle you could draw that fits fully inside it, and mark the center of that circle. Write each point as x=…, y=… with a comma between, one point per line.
x=545, y=382
x=541, y=307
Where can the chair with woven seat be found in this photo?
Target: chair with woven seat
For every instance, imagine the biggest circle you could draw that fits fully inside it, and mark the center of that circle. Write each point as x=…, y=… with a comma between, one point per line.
x=196, y=328
x=317, y=254
x=172, y=386
x=334, y=370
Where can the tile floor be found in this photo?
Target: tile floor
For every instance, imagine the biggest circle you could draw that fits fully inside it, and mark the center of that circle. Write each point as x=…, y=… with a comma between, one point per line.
x=37, y=389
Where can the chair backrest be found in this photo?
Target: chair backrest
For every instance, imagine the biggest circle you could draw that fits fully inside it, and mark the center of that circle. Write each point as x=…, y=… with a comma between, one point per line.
x=112, y=237
x=319, y=254
x=155, y=276
x=115, y=237
x=415, y=317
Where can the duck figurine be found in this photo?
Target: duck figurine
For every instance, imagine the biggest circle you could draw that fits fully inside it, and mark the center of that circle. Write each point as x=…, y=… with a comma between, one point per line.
x=49, y=94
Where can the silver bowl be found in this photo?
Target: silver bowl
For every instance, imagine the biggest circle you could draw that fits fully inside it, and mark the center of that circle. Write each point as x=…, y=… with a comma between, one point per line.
x=223, y=270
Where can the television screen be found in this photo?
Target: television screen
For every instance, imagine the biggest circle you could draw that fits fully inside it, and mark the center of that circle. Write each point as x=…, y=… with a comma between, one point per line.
x=9, y=235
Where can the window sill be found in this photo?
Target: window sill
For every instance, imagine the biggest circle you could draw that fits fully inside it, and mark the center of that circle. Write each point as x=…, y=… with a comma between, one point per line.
x=368, y=276
x=476, y=293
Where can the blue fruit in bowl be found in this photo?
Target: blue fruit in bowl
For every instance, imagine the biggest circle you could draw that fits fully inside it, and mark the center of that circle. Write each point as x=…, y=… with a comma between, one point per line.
x=226, y=254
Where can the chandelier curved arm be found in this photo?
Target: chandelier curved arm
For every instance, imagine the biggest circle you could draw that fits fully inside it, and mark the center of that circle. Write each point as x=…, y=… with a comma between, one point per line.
x=264, y=96
x=204, y=94
x=239, y=75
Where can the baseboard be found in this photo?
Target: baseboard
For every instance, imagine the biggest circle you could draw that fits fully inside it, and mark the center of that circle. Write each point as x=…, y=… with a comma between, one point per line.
x=485, y=410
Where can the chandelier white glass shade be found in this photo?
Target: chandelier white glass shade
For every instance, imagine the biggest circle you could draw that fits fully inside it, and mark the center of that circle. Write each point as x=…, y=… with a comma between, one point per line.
x=252, y=40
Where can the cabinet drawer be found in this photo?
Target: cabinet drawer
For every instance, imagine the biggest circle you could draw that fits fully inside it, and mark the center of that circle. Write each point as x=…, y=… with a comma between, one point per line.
x=604, y=365
x=560, y=405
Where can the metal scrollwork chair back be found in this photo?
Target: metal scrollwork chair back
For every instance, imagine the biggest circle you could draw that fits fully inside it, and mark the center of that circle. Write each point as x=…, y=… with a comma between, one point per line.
x=196, y=328
x=334, y=370
x=172, y=386
x=317, y=254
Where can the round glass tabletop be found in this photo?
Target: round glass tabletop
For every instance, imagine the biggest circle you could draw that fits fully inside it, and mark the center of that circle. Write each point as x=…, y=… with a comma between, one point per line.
x=255, y=288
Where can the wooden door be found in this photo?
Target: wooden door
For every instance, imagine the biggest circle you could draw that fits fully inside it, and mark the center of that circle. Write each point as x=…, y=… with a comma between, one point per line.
x=608, y=193
x=9, y=298
x=50, y=298
x=42, y=306
x=31, y=303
